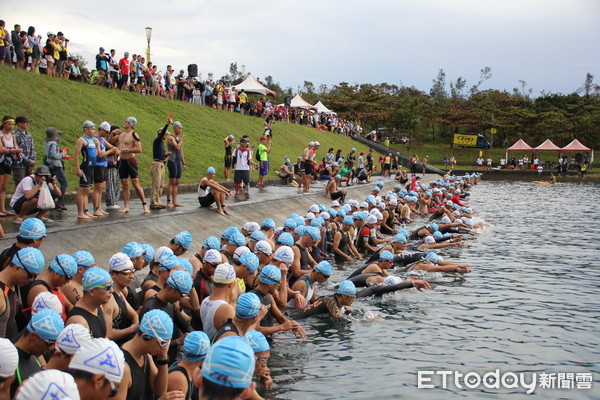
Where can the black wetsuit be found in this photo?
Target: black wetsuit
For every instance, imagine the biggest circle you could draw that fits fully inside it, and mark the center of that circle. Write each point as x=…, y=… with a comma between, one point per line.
x=228, y=326
x=140, y=378
x=96, y=323
x=322, y=305
x=360, y=280
x=28, y=366
x=378, y=290
x=229, y=256
x=190, y=392
x=8, y=327
x=135, y=294
x=304, y=264
x=203, y=286
x=265, y=299
x=121, y=321
x=343, y=247
x=389, y=222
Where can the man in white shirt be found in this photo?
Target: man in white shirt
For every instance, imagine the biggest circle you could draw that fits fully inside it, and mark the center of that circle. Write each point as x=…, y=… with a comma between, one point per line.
x=27, y=192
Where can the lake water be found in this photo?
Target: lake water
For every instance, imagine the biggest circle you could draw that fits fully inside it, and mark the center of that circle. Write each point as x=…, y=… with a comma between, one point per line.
x=531, y=304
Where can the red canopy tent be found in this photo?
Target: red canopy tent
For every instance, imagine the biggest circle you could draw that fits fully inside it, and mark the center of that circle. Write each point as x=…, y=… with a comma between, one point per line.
x=519, y=146
x=576, y=145
x=547, y=146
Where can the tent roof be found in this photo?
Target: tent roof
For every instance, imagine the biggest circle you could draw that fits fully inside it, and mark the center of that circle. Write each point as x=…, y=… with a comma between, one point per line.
x=547, y=146
x=322, y=109
x=299, y=102
x=250, y=84
x=575, y=145
x=520, y=146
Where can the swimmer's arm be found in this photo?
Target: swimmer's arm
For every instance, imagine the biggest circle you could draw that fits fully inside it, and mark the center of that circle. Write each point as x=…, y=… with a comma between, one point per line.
x=296, y=267
x=137, y=144
x=191, y=302
x=78, y=145
x=176, y=381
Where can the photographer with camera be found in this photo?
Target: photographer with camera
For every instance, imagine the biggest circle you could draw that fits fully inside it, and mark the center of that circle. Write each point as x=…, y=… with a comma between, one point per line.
x=25, y=199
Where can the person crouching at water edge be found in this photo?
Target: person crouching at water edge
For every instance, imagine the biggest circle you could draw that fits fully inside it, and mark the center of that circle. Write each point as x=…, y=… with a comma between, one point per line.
x=209, y=192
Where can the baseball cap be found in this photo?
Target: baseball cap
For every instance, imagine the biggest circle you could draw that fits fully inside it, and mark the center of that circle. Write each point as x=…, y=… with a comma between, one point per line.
x=251, y=227
x=65, y=265
x=250, y=260
x=10, y=358
x=429, y=239
x=212, y=257
x=263, y=247
x=248, y=306
x=386, y=255
x=46, y=323
x=184, y=239
x=263, y=138
x=317, y=143
x=195, y=346
x=180, y=280
x=286, y=238
x=230, y=363
x=257, y=341
x=211, y=170
x=49, y=384
x=158, y=324
x=84, y=258
x=120, y=262
x=43, y=170
x=95, y=278
x=168, y=262
x=347, y=287
x=224, y=273
x=72, y=337
x=270, y=275
x=46, y=300
x=238, y=239
x=211, y=242
x=105, y=126
x=30, y=259
x=324, y=267
x=88, y=124
x=132, y=121
x=161, y=251
x=284, y=254
x=100, y=356
x=133, y=250
x=257, y=236
x=32, y=228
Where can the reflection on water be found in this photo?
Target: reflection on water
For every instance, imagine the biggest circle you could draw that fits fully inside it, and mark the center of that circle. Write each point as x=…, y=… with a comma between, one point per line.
x=531, y=304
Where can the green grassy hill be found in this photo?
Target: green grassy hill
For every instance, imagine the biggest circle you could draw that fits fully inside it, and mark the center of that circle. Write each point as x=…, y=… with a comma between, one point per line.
x=65, y=105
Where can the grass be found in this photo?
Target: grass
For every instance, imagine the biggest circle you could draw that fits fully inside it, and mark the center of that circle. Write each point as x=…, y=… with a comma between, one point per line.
x=65, y=105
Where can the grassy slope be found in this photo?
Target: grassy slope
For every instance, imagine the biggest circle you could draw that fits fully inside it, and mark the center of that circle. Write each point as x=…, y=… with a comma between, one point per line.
x=65, y=105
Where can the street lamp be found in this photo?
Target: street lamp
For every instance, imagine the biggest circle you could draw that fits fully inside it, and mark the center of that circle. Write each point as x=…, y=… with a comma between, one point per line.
x=148, y=36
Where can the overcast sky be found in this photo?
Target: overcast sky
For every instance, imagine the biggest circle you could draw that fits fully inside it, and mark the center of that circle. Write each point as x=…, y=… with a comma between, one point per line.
x=550, y=44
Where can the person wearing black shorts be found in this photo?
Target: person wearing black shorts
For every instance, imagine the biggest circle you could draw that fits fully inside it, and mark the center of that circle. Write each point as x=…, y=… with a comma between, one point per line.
x=101, y=169
x=128, y=142
x=86, y=148
x=229, y=140
x=175, y=163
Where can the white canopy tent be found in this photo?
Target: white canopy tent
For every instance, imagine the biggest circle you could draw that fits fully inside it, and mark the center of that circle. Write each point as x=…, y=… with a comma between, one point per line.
x=251, y=85
x=322, y=109
x=299, y=102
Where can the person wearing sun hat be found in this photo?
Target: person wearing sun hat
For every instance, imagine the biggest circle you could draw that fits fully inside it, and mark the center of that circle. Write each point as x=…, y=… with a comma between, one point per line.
x=61, y=271
x=38, y=337
x=143, y=376
x=49, y=384
x=73, y=290
x=268, y=284
x=227, y=370
x=210, y=191
x=8, y=366
x=24, y=267
x=195, y=347
x=97, y=291
x=215, y=309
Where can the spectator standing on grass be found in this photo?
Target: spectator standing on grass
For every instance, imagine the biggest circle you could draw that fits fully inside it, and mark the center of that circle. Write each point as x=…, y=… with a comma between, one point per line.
x=3, y=41
x=8, y=152
x=34, y=46
x=124, y=71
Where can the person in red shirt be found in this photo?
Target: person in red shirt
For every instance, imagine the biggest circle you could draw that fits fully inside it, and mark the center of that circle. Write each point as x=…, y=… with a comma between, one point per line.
x=456, y=199
x=124, y=71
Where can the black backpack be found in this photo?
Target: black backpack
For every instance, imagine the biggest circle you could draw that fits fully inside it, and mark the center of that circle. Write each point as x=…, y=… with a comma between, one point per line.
x=257, y=155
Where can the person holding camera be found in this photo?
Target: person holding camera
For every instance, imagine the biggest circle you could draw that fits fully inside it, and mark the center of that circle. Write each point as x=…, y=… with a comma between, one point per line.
x=25, y=199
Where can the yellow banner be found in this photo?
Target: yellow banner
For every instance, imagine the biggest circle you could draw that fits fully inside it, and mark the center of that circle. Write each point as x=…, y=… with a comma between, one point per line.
x=465, y=140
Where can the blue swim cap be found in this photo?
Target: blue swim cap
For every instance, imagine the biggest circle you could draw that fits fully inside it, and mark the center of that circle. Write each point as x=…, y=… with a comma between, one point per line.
x=30, y=259
x=348, y=220
x=299, y=220
x=184, y=239
x=341, y=159
x=360, y=215
x=133, y=250
x=269, y=223
x=300, y=230
x=313, y=232
x=229, y=363
x=46, y=323
x=354, y=149
x=434, y=226
x=428, y=192
x=286, y=238
x=404, y=232
x=335, y=164
x=32, y=228
x=317, y=222
x=386, y=255
x=257, y=341
x=148, y=252
x=338, y=176
x=211, y=242
x=64, y=264
x=376, y=189
x=290, y=223
x=400, y=238
x=168, y=261
x=413, y=193
x=347, y=287
x=195, y=346
x=95, y=277
x=332, y=212
x=433, y=257
x=248, y=306
x=211, y=170
x=380, y=184
x=181, y=281
x=238, y=239
x=370, y=199
x=250, y=260
x=185, y=263
x=324, y=267
x=227, y=232
x=399, y=187
x=437, y=235
x=257, y=236
x=157, y=323
x=84, y=258
x=270, y=275
x=322, y=207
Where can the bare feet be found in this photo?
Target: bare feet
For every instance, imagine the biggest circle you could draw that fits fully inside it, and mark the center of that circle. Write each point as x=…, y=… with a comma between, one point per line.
x=83, y=216
x=125, y=210
x=90, y=215
x=220, y=211
x=146, y=209
x=178, y=205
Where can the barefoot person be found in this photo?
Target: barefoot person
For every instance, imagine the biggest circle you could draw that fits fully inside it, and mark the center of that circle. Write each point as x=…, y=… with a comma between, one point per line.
x=87, y=149
x=129, y=144
x=101, y=169
x=210, y=192
x=175, y=163
x=228, y=142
